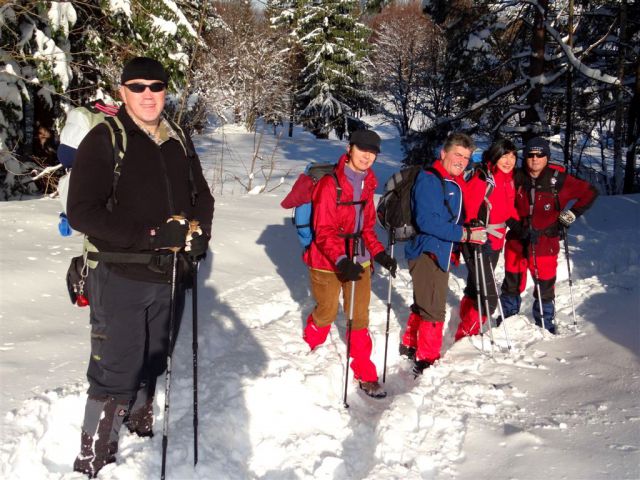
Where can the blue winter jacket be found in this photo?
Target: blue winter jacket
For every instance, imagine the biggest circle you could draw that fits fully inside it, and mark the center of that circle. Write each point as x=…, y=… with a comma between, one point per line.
x=437, y=229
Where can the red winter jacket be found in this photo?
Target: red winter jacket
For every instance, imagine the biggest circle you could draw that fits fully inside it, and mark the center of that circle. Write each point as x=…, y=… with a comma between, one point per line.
x=547, y=208
x=501, y=200
x=330, y=220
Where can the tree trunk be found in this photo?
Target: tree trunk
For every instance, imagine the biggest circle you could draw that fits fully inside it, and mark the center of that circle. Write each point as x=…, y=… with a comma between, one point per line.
x=532, y=121
x=633, y=136
x=618, y=140
x=568, y=134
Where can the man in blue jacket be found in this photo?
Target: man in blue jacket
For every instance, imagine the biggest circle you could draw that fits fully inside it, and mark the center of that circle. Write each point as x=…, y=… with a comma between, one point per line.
x=436, y=207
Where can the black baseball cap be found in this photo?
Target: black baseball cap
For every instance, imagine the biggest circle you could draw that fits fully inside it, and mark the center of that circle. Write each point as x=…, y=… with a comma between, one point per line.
x=145, y=68
x=366, y=140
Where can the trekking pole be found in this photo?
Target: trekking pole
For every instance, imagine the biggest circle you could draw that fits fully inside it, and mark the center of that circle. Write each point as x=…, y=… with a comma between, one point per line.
x=392, y=242
x=478, y=294
x=194, y=349
x=349, y=324
x=167, y=387
x=504, y=324
x=566, y=254
x=486, y=300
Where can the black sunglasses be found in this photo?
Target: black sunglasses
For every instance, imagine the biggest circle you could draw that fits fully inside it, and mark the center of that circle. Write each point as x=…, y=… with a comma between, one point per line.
x=536, y=155
x=141, y=87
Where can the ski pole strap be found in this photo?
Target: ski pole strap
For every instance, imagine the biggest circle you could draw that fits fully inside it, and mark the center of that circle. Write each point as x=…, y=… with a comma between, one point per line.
x=492, y=229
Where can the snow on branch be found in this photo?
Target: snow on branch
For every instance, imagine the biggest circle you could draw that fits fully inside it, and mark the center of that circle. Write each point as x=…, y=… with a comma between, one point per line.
x=576, y=63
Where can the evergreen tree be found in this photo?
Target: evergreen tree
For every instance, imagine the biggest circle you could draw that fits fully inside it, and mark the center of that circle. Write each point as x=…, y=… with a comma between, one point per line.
x=334, y=45
x=56, y=55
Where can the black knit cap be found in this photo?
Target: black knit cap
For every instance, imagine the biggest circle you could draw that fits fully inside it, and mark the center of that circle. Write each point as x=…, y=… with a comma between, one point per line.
x=144, y=68
x=366, y=140
x=537, y=145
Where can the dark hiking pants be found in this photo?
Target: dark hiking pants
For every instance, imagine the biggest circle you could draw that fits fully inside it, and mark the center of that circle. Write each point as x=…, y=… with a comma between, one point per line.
x=490, y=260
x=129, y=332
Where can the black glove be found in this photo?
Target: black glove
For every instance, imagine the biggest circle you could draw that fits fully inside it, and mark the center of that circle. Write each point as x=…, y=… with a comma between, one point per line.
x=172, y=234
x=387, y=262
x=517, y=230
x=348, y=270
x=197, y=246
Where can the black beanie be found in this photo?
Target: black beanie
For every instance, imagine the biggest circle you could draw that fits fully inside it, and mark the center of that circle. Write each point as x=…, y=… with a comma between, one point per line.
x=144, y=68
x=537, y=145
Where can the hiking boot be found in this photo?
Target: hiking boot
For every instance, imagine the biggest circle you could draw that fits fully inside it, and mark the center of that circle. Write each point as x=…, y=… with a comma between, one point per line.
x=140, y=421
x=372, y=389
x=419, y=366
x=408, y=352
x=91, y=461
x=103, y=418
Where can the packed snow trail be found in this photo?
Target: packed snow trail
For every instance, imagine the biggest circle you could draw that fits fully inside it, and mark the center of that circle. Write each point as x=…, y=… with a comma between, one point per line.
x=555, y=407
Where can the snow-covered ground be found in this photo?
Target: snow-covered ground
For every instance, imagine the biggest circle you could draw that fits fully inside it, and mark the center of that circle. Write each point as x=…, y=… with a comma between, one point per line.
x=563, y=407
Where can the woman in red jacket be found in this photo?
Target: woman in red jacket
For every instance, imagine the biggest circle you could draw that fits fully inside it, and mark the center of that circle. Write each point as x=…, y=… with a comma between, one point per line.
x=489, y=199
x=339, y=223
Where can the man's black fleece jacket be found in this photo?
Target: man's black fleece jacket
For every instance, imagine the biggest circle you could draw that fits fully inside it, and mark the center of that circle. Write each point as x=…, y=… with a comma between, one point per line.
x=152, y=178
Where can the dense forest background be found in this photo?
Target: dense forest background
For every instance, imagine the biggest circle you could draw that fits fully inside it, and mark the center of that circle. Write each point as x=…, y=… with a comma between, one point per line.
x=567, y=70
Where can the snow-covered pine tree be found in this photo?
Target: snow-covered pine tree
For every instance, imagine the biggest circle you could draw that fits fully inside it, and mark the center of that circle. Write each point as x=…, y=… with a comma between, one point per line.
x=332, y=84
x=34, y=72
x=56, y=55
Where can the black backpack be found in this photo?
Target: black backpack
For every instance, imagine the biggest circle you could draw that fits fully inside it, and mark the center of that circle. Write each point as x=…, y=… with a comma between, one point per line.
x=394, y=207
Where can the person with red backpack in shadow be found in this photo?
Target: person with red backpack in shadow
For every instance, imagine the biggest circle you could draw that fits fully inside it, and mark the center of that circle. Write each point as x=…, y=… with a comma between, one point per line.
x=489, y=200
x=344, y=217
x=436, y=209
x=543, y=195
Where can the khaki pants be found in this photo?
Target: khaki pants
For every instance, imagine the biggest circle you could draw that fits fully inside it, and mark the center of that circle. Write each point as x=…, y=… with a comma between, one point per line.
x=430, y=285
x=326, y=287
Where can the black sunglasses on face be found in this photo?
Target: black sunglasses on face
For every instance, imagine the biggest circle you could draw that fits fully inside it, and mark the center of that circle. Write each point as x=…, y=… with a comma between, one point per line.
x=141, y=87
x=536, y=155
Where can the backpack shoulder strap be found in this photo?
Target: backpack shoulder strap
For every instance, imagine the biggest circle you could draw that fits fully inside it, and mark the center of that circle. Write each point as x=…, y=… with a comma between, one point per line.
x=486, y=206
x=444, y=192
x=338, y=187
x=556, y=184
x=119, y=143
x=190, y=154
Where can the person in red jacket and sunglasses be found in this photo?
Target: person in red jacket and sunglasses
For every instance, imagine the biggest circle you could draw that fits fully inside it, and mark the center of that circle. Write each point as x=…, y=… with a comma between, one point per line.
x=489, y=200
x=543, y=196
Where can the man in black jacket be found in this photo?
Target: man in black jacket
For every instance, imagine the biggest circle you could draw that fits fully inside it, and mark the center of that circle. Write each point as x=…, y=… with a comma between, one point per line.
x=135, y=216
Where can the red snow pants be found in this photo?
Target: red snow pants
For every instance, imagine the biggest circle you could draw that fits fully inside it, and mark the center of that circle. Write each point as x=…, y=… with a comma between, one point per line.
x=425, y=324
x=516, y=264
x=425, y=336
x=469, y=318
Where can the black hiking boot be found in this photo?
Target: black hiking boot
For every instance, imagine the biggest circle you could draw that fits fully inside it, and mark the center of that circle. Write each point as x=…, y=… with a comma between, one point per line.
x=140, y=421
x=408, y=352
x=419, y=366
x=372, y=389
x=93, y=457
x=103, y=417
